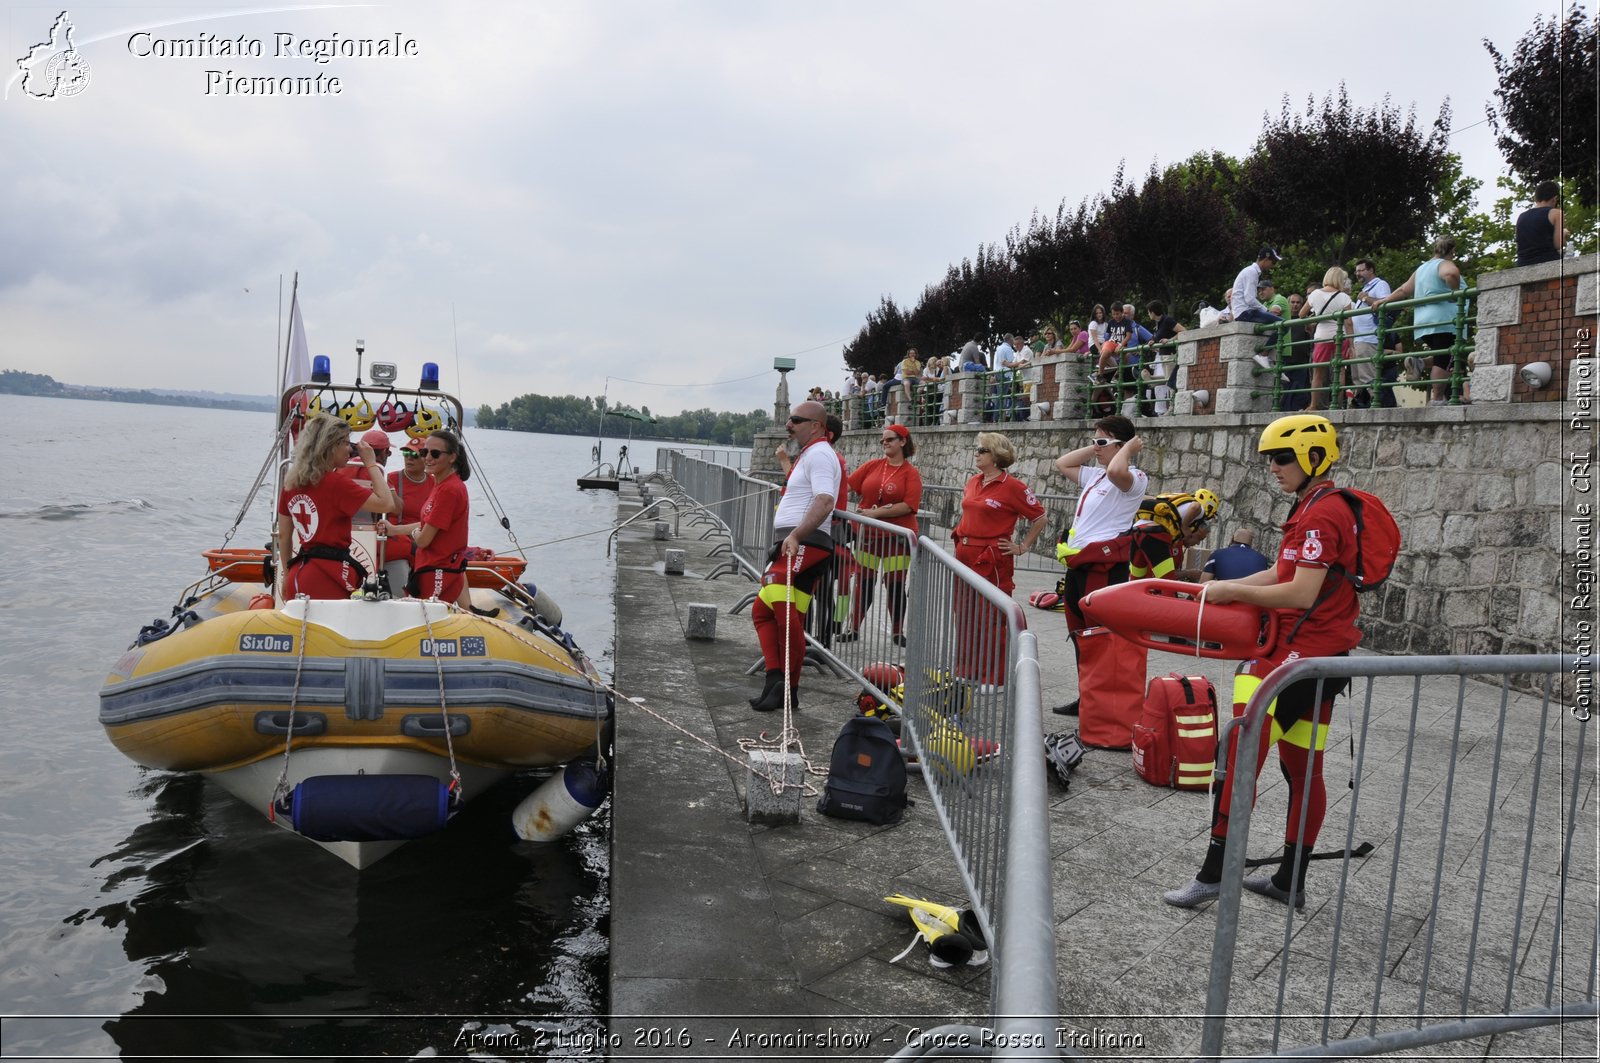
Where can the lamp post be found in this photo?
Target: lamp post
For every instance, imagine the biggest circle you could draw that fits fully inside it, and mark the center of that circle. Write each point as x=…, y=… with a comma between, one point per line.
x=780, y=405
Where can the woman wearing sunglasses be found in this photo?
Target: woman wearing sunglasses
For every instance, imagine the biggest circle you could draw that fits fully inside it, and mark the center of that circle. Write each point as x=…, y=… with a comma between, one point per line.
x=1107, y=505
x=1318, y=608
x=890, y=490
x=440, y=530
x=992, y=502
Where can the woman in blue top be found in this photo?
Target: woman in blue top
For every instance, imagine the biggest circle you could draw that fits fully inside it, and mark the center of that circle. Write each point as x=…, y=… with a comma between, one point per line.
x=1435, y=322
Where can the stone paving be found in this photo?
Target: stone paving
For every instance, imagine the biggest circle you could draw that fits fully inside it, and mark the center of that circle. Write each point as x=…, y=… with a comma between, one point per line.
x=736, y=941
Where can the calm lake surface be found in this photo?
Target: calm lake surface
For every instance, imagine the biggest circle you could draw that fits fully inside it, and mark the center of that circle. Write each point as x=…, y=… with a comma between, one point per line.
x=149, y=913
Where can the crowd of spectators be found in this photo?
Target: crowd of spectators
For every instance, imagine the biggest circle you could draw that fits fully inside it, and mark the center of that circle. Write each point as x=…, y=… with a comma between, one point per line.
x=1131, y=365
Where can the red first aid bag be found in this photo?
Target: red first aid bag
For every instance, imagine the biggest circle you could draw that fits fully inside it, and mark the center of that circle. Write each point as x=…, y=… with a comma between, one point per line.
x=1175, y=740
x=1110, y=688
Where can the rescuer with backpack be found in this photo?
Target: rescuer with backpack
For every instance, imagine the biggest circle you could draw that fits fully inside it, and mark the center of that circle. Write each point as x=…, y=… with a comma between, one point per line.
x=1335, y=542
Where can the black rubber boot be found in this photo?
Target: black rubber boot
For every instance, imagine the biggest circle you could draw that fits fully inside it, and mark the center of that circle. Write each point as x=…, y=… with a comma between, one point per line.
x=771, y=699
x=774, y=679
x=1287, y=872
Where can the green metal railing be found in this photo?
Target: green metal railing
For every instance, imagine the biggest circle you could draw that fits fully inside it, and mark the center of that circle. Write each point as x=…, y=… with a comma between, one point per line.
x=1289, y=367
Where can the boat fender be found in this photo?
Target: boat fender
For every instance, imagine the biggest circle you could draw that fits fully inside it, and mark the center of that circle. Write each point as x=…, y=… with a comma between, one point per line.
x=564, y=800
x=368, y=808
x=543, y=604
x=262, y=601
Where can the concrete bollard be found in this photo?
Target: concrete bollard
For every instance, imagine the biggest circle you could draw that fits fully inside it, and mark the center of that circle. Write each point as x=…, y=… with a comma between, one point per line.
x=764, y=807
x=674, y=562
x=663, y=530
x=702, y=622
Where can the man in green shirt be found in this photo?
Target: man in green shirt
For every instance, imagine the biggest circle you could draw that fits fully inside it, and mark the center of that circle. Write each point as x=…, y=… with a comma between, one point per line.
x=1268, y=294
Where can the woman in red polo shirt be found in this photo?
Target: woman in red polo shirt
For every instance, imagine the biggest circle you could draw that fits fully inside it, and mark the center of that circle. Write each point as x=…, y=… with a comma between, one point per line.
x=985, y=539
x=440, y=531
x=315, y=507
x=890, y=490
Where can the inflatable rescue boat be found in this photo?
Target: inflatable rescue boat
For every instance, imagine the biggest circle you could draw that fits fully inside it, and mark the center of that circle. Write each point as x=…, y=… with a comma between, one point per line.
x=361, y=723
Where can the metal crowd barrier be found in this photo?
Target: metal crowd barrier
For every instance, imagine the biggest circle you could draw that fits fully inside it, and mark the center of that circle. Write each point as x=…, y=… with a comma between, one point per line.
x=970, y=710
x=1476, y=913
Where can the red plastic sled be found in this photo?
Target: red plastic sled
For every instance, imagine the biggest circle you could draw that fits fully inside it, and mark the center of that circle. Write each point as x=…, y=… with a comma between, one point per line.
x=1166, y=614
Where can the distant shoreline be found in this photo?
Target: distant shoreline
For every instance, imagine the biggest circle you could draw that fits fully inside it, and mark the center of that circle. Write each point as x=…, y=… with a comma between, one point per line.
x=146, y=398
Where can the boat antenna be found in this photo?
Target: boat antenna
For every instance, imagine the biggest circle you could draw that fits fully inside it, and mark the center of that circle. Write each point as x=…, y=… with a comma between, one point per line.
x=455, y=341
x=277, y=367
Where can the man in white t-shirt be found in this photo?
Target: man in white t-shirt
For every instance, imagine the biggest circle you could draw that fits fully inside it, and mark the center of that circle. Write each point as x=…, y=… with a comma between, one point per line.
x=802, y=548
x=1106, y=508
x=1244, y=300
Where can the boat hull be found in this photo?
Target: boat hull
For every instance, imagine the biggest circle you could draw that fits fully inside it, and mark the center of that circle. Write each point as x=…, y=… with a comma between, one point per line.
x=352, y=688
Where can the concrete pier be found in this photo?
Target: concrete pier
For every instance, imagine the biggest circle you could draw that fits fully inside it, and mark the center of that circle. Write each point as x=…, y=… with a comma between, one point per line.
x=735, y=940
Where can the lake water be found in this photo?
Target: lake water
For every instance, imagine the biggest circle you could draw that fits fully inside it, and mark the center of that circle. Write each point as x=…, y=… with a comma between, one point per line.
x=149, y=913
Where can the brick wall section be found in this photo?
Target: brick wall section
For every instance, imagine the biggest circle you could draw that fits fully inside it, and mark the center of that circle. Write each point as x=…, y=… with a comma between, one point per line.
x=1206, y=372
x=1542, y=335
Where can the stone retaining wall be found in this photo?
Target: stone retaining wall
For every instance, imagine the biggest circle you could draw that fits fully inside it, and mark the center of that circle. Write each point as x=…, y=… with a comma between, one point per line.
x=1490, y=497
x=1485, y=497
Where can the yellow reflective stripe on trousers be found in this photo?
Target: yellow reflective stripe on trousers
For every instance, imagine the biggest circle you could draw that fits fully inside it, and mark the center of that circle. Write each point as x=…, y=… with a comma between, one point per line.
x=890, y=563
x=1299, y=735
x=773, y=593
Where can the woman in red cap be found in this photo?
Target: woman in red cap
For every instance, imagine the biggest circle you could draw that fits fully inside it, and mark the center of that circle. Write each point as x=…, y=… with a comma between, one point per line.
x=411, y=486
x=890, y=490
x=315, y=507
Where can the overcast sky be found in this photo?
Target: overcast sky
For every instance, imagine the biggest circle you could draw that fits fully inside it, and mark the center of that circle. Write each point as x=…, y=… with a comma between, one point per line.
x=671, y=193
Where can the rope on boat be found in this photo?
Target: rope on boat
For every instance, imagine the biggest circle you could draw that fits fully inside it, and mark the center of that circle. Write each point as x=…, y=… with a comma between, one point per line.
x=444, y=708
x=745, y=744
x=494, y=499
x=261, y=478
x=281, y=789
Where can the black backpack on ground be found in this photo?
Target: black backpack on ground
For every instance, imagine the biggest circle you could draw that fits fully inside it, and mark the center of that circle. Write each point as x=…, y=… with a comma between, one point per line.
x=866, y=774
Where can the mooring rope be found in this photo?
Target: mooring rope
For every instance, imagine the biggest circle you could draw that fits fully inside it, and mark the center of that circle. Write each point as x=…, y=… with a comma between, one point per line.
x=282, y=786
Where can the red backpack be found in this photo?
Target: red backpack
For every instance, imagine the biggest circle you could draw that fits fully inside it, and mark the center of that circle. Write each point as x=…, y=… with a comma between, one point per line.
x=1175, y=741
x=1377, y=546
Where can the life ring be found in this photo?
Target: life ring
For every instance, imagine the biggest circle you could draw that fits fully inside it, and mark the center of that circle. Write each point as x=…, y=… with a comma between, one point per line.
x=491, y=571
x=238, y=564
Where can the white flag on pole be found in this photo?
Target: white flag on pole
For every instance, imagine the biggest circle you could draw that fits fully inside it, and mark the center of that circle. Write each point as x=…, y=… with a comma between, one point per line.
x=297, y=366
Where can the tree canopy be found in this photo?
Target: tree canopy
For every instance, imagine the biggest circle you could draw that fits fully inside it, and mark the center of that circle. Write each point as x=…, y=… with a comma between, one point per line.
x=1342, y=180
x=1545, y=120
x=574, y=415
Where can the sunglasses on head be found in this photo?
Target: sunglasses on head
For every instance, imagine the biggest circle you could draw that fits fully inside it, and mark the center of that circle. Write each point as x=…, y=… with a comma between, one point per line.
x=427, y=453
x=985, y=450
x=802, y=420
x=1282, y=457
x=1102, y=441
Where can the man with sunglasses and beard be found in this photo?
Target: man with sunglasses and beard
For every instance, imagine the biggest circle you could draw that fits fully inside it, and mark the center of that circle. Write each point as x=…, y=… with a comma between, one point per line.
x=1317, y=614
x=802, y=548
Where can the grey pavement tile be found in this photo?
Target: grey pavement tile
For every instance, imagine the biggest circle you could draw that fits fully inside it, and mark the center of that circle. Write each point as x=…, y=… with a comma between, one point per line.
x=789, y=901
x=863, y=887
x=825, y=939
x=913, y=998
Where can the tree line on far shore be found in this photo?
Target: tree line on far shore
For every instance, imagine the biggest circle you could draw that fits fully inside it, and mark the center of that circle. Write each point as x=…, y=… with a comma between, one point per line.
x=1325, y=187
x=19, y=382
x=580, y=416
